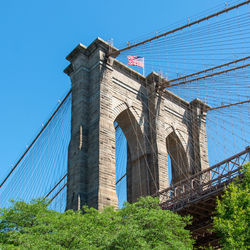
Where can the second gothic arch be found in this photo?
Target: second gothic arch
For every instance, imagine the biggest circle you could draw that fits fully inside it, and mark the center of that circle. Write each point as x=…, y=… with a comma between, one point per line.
x=178, y=156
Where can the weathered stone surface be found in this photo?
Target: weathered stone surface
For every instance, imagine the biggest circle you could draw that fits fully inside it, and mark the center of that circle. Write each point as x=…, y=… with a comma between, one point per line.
x=103, y=91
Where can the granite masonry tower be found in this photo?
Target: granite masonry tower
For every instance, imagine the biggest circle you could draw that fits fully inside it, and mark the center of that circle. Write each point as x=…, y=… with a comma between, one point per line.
x=105, y=90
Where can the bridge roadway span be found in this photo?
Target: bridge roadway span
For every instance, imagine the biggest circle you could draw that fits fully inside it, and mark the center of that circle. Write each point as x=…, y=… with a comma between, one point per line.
x=196, y=195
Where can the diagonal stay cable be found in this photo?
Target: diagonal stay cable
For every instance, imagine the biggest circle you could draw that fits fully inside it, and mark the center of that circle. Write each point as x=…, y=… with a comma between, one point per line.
x=116, y=53
x=210, y=75
x=36, y=138
x=229, y=105
x=56, y=185
x=210, y=69
x=58, y=192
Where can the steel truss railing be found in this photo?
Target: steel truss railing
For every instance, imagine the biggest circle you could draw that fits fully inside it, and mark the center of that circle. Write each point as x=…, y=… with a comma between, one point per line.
x=204, y=183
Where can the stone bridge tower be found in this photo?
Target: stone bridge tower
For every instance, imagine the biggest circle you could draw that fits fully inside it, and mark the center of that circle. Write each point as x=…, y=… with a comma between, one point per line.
x=103, y=91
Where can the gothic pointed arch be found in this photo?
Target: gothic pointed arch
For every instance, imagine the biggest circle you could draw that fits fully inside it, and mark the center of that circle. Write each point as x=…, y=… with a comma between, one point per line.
x=136, y=170
x=177, y=154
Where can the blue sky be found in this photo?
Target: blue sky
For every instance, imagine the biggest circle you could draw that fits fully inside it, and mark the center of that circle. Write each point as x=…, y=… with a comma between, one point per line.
x=37, y=35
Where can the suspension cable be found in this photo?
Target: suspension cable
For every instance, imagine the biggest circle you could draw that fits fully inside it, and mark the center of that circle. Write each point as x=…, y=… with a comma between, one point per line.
x=116, y=53
x=230, y=105
x=36, y=138
x=210, y=75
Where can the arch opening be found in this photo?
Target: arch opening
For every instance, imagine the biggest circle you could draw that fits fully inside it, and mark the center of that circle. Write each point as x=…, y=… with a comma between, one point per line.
x=177, y=159
x=131, y=173
x=169, y=168
x=120, y=165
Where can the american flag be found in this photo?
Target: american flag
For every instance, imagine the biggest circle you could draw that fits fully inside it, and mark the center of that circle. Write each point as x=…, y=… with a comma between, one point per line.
x=136, y=61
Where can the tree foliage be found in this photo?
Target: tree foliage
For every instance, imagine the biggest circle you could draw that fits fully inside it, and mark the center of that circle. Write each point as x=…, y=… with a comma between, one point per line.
x=141, y=225
x=232, y=214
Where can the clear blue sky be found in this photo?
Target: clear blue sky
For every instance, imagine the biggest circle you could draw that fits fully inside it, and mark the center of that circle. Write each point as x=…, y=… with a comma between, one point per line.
x=37, y=35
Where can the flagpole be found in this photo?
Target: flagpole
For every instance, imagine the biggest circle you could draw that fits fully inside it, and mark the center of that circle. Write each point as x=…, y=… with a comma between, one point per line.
x=143, y=67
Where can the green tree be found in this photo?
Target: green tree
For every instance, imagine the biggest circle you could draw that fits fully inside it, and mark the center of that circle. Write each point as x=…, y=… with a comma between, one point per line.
x=141, y=225
x=232, y=214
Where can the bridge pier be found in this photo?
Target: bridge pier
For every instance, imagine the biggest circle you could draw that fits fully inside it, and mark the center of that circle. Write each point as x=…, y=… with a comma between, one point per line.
x=104, y=91
x=91, y=163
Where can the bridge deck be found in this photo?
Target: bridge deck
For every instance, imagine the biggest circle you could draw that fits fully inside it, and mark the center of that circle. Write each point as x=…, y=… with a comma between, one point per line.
x=196, y=196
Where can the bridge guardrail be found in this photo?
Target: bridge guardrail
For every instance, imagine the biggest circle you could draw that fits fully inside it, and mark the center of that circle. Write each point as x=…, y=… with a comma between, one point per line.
x=204, y=182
